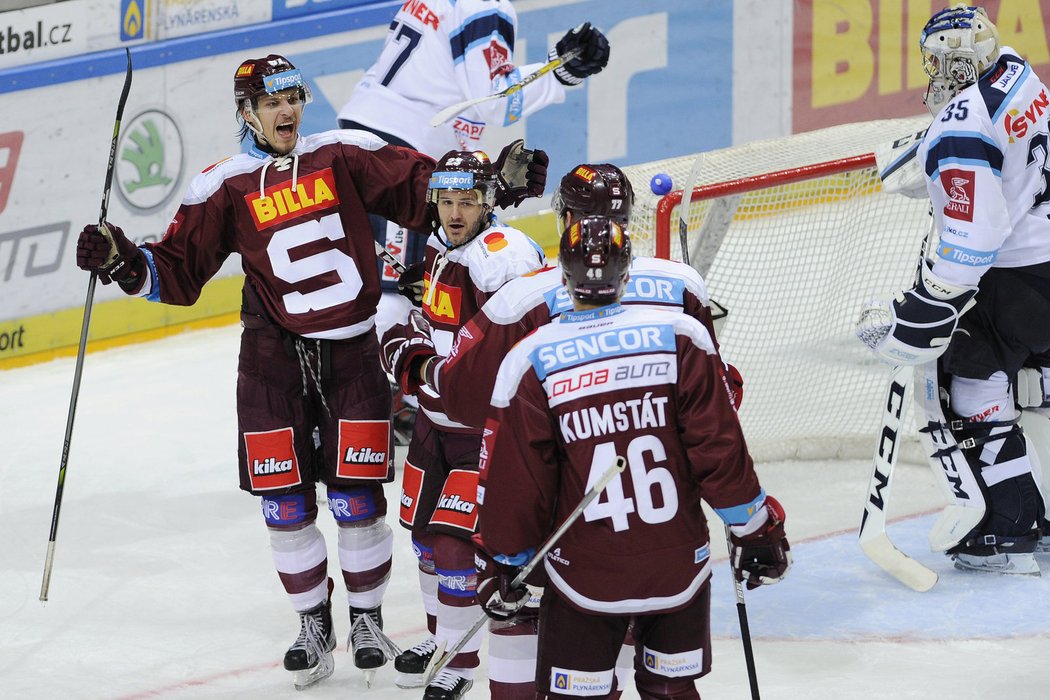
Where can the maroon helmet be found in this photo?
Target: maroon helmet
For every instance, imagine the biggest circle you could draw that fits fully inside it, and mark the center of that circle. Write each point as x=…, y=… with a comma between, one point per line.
x=595, y=190
x=464, y=170
x=595, y=255
x=265, y=76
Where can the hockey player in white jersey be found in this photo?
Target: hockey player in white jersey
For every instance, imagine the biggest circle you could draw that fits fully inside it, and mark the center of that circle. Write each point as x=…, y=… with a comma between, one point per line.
x=980, y=310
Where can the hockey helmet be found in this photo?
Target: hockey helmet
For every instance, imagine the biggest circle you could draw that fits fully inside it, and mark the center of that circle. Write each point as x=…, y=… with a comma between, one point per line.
x=958, y=45
x=266, y=76
x=595, y=190
x=464, y=170
x=595, y=256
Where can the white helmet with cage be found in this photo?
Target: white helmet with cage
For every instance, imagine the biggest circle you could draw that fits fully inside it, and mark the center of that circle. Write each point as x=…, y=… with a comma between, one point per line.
x=958, y=45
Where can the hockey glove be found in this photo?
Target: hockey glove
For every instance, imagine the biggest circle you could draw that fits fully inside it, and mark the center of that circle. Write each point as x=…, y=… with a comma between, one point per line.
x=759, y=550
x=734, y=385
x=521, y=174
x=410, y=284
x=107, y=251
x=495, y=595
x=918, y=324
x=593, y=54
x=405, y=347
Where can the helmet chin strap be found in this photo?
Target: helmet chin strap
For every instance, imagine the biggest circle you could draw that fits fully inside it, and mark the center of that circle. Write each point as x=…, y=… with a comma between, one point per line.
x=254, y=125
x=485, y=223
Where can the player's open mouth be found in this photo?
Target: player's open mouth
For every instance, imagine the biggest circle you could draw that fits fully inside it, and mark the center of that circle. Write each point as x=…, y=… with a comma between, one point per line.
x=286, y=130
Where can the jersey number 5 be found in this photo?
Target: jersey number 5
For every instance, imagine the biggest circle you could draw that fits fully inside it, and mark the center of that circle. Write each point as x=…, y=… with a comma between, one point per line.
x=613, y=504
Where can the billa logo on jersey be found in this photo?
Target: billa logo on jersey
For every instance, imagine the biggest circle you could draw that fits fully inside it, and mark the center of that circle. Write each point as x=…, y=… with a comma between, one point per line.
x=1017, y=123
x=271, y=460
x=281, y=203
x=245, y=70
x=959, y=186
x=495, y=242
x=442, y=302
x=364, y=449
x=498, y=59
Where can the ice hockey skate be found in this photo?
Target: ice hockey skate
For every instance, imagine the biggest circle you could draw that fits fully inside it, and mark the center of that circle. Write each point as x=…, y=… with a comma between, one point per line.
x=411, y=665
x=1022, y=564
x=370, y=646
x=310, y=657
x=448, y=685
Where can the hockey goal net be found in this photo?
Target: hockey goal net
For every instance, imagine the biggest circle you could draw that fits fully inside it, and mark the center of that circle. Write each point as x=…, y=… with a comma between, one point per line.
x=792, y=235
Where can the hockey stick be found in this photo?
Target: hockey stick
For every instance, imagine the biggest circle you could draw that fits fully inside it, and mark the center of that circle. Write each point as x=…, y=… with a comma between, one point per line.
x=389, y=258
x=452, y=110
x=874, y=541
x=745, y=629
x=687, y=201
x=78, y=372
x=439, y=660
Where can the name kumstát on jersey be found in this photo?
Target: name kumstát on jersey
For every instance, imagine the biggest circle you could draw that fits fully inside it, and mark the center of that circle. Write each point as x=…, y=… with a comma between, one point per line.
x=645, y=413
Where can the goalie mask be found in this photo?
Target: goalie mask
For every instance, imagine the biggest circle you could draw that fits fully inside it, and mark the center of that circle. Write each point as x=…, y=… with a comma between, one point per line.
x=463, y=171
x=257, y=77
x=958, y=45
x=594, y=190
x=595, y=255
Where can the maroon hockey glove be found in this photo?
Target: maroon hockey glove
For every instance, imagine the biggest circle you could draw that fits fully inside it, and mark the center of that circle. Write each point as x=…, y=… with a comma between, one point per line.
x=593, y=54
x=113, y=257
x=494, y=592
x=521, y=174
x=410, y=284
x=735, y=385
x=762, y=557
x=405, y=347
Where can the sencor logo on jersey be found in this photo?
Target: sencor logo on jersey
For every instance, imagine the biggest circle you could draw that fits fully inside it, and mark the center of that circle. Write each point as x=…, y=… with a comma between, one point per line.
x=959, y=186
x=271, y=459
x=364, y=449
x=442, y=302
x=280, y=203
x=1017, y=123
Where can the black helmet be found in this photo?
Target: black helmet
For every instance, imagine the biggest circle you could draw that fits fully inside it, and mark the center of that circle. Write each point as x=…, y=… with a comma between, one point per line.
x=264, y=76
x=595, y=255
x=595, y=190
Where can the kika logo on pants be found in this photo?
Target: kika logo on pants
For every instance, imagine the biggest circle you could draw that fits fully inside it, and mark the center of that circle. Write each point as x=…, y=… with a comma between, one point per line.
x=272, y=466
x=364, y=456
x=364, y=449
x=454, y=502
x=270, y=459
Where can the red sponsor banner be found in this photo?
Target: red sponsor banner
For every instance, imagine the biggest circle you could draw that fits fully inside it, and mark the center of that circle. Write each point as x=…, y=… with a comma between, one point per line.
x=10, y=147
x=271, y=460
x=411, y=488
x=365, y=449
x=856, y=60
x=457, y=507
x=959, y=186
x=281, y=203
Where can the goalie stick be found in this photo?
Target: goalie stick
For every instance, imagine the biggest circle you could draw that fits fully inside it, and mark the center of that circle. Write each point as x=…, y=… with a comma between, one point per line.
x=874, y=541
x=452, y=110
x=687, y=201
x=49, y=561
x=441, y=658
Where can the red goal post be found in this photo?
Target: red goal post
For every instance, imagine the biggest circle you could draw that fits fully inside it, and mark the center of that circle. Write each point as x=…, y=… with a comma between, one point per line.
x=792, y=235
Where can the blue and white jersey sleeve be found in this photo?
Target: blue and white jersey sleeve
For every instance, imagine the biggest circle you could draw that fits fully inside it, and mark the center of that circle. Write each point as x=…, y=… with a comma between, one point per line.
x=985, y=158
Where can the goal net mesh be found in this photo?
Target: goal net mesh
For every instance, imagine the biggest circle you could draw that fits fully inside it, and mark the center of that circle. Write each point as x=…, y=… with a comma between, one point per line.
x=793, y=256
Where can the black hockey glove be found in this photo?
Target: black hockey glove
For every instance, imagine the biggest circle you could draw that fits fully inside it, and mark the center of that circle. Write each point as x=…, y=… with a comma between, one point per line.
x=107, y=251
x=593, y=54
x=410, y=284
x=495, y=595
x=763, y=556
x=404, y=349
x=521, y=174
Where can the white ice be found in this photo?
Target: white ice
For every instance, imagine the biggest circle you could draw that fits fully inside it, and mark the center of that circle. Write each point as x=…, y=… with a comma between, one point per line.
x=163, y=585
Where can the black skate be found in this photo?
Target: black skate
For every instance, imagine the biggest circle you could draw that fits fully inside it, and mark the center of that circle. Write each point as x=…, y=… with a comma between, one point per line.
x=371, y=647
x=310, y=657
x=447, y=685
x=411, y=665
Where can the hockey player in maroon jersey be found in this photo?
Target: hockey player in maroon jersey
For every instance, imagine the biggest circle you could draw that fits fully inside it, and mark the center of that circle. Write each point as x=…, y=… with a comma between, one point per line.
x=467, y=259
x=313, y=402
x=600, y=381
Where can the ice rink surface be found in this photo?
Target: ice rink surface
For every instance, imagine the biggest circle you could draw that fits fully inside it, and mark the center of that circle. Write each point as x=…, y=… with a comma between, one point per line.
x=163, y=585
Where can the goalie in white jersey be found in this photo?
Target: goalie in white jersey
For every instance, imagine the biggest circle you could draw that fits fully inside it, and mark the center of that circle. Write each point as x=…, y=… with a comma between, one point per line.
x=983, y=294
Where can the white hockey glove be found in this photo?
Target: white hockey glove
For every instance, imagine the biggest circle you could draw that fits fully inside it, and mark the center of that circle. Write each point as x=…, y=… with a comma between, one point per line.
x=918, y=324
x=899, y=169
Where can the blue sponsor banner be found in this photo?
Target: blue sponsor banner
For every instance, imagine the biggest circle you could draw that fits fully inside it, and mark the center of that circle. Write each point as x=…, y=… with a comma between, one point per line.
x=283, y=9
x=132, y=20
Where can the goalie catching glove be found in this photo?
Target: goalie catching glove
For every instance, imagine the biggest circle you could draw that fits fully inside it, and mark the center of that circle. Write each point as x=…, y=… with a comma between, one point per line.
x=918, y=324
x=521, y=174
x=106, y=250
x=404, y=350
x=759, y=549
x=494, y=592
x=592, y=56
